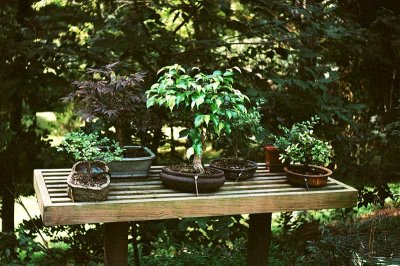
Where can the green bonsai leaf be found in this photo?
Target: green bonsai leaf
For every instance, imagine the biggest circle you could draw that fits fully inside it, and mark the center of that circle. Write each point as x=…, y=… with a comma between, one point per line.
x=244, y=128
x=90, y=147
x=299, y=145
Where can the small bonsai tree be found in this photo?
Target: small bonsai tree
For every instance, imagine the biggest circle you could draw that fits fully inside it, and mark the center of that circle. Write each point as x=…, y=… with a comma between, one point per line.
x=299, y=145
x=108, y=96
x=90, y=147
x=209, y=100
x=243, y=128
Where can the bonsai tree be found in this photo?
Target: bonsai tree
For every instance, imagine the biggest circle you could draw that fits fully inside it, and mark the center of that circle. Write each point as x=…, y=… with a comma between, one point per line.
x=88, y=148
x=243, y=128
x=108, y=96
x=208, y=100
x=299, y=145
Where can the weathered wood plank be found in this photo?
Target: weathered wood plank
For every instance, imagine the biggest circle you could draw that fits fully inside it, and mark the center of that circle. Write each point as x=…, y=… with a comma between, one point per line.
x=39, y=186
x=151, y=209
x=159, y=188
x=45, y=171
x=162, y=194
x=146, y=199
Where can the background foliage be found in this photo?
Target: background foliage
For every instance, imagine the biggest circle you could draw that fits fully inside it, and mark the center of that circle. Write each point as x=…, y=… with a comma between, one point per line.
x=335, y=59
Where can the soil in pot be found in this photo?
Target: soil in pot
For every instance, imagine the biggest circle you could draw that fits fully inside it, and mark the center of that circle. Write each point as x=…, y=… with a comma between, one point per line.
x=309, y=171
x=188, y=169
x=184, y=178
x=135, y=153
x=96, y=178
x=82, y=179
x=88, y=186
x=235, y=169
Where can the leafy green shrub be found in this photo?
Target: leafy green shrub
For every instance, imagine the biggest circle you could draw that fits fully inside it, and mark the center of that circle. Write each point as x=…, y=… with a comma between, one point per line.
x=196, y=241
x=299, y=145
x=23, y=247
x=84, y=243
x=90, y=147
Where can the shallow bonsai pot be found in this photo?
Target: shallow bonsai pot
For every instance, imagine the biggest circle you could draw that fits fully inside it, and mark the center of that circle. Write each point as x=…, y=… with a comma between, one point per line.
x=186, y=182
x=272, y=161
x=245, y=169
x=312, y=176
x=78, y=192
x=131, y=166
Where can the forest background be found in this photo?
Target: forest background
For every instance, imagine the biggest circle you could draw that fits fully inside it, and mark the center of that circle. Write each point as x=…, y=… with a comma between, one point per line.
x=335, y=59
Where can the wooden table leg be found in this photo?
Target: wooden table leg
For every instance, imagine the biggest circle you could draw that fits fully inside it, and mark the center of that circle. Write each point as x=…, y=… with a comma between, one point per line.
x=116, y=244
x=259, y=239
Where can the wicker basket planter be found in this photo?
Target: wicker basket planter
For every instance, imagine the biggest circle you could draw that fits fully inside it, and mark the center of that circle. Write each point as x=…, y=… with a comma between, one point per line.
x=132, y=166
x=78, y=192
x=313, y=176
x=235, y=169
x=187, y=182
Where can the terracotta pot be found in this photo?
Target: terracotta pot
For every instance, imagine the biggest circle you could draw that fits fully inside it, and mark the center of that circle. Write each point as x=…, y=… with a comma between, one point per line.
x=84, y=193
x=315, y=176
x=272, y=161
x=186, y=182
x=235, y=174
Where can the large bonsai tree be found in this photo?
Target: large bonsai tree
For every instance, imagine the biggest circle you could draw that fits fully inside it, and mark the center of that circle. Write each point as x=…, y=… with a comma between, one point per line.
x=111, y=97
x=209, y=100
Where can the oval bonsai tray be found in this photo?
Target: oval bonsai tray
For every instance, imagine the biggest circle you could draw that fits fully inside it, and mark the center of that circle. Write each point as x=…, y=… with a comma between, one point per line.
x=235, y=169
x=314, y=176
x=184, y=181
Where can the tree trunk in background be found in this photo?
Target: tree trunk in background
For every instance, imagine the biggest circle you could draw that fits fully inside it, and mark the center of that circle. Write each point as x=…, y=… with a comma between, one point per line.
x=7, y=212
x=12, y=169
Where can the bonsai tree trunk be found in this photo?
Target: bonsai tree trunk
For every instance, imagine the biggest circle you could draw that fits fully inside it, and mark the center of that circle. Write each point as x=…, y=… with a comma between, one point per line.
x=89, y=169
x=197, y=164
x=88, y=175
x=119, y=130
x=235, y=150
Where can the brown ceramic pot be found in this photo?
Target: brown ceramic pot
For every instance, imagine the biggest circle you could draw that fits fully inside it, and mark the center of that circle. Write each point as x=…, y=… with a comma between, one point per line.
x=186, y=182
x=235, y=169
x=310, y=176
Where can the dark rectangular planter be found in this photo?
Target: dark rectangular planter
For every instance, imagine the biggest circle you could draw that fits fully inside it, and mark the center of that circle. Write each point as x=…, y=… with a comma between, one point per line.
x=132, y=166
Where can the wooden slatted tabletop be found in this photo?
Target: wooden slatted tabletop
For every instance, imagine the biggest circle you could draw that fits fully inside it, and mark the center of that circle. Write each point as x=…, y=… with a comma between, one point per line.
x=135, y=199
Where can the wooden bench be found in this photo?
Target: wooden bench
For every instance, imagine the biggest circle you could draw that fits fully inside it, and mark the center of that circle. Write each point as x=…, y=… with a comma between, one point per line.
x=134, y=199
